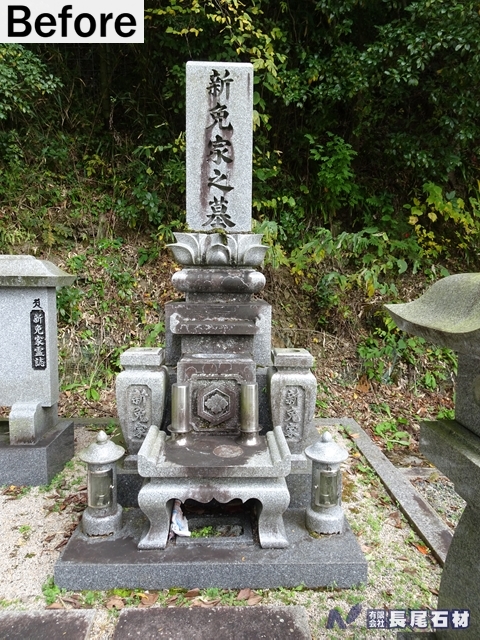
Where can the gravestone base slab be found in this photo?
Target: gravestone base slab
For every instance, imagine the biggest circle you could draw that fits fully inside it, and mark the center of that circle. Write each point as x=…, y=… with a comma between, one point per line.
x=116, y=562
x=227, y=623
x=37, y=463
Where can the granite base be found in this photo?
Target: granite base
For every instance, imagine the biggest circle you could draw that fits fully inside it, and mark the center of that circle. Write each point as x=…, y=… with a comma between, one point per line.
x=36, y=464
x=116, y=562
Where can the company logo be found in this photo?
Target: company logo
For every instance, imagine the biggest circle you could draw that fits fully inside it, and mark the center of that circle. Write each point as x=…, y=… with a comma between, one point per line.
x=92, y=21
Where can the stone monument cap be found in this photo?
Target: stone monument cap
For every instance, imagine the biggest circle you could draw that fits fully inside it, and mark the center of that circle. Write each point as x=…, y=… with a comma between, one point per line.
x=291, y=357
x=447, y=314
x=28, y=271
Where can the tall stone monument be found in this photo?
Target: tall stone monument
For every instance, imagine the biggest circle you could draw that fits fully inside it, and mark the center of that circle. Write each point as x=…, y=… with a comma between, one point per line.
x=36, y=443
x=448, y=314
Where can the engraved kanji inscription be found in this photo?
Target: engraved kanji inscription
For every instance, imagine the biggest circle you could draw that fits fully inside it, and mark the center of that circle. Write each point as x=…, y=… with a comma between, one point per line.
x=293, y=410
x=38, y=336
x=139, y=410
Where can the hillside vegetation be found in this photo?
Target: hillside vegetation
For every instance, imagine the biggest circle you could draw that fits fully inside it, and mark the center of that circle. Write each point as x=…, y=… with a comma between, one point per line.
x=366, y=184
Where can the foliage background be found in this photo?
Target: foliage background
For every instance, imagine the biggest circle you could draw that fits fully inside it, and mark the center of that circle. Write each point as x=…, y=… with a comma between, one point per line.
x=366, y=160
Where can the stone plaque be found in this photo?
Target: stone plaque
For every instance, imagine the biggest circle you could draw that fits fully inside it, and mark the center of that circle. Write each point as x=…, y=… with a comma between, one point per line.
x=219, y=146
x=38, y=336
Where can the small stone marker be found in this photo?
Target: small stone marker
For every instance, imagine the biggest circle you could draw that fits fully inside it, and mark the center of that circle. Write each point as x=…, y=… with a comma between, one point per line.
x=29, y=368
x=219, y=146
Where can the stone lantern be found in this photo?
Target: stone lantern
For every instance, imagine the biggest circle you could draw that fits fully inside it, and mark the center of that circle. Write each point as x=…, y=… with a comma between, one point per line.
x=325, y=513
x=103, y=515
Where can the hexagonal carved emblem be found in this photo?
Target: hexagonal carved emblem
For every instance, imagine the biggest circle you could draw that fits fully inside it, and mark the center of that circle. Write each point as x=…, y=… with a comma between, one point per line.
x=216, y=405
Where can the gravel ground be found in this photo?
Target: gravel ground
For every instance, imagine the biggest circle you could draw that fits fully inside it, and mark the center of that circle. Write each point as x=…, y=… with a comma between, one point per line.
x=440, y=493
x=402, y=574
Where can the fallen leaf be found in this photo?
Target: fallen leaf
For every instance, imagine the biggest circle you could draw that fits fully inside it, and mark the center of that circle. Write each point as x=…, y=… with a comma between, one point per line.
x=49, y=538
x=171, y=600
x=363, y=385
x=254, y=600
x=61, y=544
x=210, y=603
x=13, y=490
x=55, y=605
x=409, y=570
x=244, y=594
x=422, y=548
x=397, y=521
x=115, y=603
x=193, y=593
x=434, y=591
x=148, y=599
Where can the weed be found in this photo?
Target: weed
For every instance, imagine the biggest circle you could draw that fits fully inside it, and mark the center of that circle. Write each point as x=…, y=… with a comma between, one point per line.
x=25, y=530
x=51, y=591
x=56, y=483
x=111, y=429
x=229, y=597
x=386, y=351
x=154, y=330
x=204, y=532
x=91, y=598
x=368, y=475
x=391, y=435
x=7, y=603
x=446, y=414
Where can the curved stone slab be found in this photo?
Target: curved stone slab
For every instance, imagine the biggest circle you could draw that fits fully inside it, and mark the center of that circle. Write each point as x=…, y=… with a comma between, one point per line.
x=447, y=314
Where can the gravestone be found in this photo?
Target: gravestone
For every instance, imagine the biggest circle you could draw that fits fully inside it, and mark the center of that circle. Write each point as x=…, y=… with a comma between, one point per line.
x=232, y=418
x=448, y=314
x=34, y=444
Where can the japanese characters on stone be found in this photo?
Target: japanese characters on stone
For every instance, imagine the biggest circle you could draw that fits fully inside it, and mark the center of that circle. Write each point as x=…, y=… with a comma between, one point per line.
x=38, y=336
x=219, y=152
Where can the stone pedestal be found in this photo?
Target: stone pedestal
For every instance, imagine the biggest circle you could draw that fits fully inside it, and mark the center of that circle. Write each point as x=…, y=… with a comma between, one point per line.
x=207, y=468
x=456, y=452
x=293, y=391
x=141, y=393
x=449, y=314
